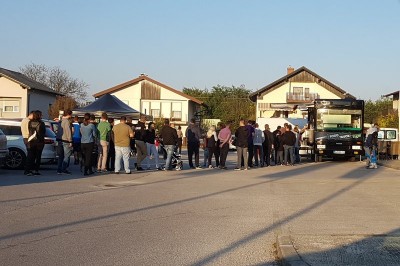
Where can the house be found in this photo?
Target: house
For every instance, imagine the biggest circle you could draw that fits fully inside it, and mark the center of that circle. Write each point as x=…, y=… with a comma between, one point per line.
x=157, y=99
x=396, y=102
x=20, y=94
x=289, y=96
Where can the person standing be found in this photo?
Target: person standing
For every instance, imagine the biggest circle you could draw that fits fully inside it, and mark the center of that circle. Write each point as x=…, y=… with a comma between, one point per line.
x=104, y=129
x=212, y=140
x=169, y=137
x=122, y=136
x=111, y=151
x=141, y=149
x=76, y=139
x=258, y=140
x=180, y=139
x=289, y=140
x=152, y=152
x=242, y=143
x=250, y=135
x=297, y=145
x=206, y=151
x=193, y=136
x=88, y=139
x=37, y=129
x=276, y=132
x=64, y=134
x=24, y=127
x=268, y=145
x=224, y=137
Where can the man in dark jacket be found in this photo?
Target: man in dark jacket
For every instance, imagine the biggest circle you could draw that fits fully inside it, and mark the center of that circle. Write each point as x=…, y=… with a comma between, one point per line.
x=170, y=139
x=242, y=145
x=193, y=136
x=289, y=140
x=141, y=148
x=267, y=145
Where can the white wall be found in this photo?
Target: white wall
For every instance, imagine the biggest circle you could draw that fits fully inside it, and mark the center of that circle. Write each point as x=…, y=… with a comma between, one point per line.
x=11, y=89
x=130, y=95
x=39, y=100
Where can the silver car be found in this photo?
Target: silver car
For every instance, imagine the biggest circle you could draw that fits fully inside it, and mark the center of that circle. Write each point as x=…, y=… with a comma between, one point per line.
x=16, y=158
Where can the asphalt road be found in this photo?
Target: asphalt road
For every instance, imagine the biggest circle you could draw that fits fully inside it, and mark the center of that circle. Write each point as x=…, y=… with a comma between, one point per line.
x=192, y=217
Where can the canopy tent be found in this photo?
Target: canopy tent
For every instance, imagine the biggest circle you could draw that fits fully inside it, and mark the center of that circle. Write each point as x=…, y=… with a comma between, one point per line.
x=111, y=105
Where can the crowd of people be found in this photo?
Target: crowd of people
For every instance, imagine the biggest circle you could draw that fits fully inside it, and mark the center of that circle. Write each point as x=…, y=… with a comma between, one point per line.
x=105, y=147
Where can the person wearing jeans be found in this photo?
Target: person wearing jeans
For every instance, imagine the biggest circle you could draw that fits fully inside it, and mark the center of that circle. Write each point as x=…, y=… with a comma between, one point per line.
x=141, y=149
x=258, y=139
x=193, y=136
x=64, y=137
x=152, y=151
x=289, y=140
x=224, y=136
x=122, y=136
x=170, y=139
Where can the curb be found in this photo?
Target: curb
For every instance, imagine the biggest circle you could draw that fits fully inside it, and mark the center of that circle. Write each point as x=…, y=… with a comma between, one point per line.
x=287, y=253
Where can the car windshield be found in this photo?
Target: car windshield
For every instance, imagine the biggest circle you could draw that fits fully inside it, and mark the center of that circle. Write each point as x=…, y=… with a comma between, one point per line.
x=339, y=119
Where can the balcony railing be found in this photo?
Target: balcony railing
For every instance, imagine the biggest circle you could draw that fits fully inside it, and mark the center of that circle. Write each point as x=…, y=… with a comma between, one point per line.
x=301, y=98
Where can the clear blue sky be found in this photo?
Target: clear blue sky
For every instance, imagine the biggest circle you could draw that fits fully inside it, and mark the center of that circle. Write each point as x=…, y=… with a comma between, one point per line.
x=354, y=44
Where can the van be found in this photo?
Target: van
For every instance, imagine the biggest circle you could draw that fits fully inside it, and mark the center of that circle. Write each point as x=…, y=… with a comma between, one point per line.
x=388, y=134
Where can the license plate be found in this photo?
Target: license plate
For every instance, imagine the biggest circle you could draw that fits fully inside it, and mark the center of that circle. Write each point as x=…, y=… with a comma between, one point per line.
x=339, y=152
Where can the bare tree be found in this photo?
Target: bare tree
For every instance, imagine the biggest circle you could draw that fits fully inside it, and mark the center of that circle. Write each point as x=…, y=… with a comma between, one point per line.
x=58, y=79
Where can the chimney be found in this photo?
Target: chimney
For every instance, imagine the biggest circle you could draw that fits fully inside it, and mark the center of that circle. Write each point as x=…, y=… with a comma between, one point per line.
x=290, y=69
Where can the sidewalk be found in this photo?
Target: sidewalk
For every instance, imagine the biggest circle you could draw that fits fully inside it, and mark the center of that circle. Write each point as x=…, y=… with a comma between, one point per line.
x=395, y=164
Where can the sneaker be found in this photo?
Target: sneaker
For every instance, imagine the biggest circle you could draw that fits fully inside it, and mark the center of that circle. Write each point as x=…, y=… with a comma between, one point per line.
x=237, y=169
x=104, y=171
x=210, y=166
x=246, y=169
x=29, y=174
x=117, y=173
x=159, y=168
x=199, y=167
x=66, y=172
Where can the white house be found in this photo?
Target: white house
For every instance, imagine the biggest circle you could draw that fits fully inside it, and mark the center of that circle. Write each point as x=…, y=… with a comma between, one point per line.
x=288, y=96
x=20, y=94
x=156, y=99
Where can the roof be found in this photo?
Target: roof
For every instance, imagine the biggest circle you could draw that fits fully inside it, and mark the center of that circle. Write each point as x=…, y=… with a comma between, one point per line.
x=390, y=94
x=144, y=77
x=337, y=90
x=25, y=81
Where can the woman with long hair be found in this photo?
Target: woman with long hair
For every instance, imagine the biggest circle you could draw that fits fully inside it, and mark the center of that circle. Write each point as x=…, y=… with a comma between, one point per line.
x=37, y=130
x=212, y=142
x=88, y=137
x=152, y=152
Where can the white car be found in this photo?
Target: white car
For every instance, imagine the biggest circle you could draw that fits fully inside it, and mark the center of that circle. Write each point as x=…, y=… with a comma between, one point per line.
x=3, y=148
x=16, y=158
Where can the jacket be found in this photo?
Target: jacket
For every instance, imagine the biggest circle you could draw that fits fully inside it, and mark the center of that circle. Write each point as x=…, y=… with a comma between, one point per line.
x=242, y=137
x=193, y=133
x=169, y=135
x=258, y=137
x=289, y=138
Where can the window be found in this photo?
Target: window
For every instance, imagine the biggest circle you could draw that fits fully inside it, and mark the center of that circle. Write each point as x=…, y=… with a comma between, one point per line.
x=298, y=90
x=176, y=111
x=339, y=119
x=155, y=113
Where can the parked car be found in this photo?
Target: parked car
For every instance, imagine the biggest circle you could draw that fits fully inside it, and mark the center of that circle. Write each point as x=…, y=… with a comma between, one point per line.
x=16, y=158
x=3, y=148
x=53, y=125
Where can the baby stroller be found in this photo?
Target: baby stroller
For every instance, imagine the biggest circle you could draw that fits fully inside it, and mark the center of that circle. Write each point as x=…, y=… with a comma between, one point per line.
x=176, y=161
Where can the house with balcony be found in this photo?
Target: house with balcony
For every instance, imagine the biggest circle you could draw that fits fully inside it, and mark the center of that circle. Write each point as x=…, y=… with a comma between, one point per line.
x=289, y=96
x=19, y=95
x=154, y=98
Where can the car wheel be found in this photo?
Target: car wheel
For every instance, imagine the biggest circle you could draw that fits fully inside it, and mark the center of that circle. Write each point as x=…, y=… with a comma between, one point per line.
x=16, y=159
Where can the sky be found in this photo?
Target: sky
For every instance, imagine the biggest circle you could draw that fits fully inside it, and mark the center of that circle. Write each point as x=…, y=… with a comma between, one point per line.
x=353, y=44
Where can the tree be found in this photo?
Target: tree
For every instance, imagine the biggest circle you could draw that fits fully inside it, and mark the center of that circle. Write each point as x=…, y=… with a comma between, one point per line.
x=226, y=103
x=61, y=103
x=381, y=112
x=58, y=79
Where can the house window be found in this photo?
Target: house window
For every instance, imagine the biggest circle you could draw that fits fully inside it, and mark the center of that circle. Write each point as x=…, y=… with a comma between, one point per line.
x=298, y=90
x=176, y=111
x=155, y=113
x=10, y=108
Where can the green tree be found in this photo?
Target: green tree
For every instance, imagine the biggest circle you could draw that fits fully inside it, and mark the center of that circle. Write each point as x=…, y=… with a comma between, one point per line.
x=226, y=103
